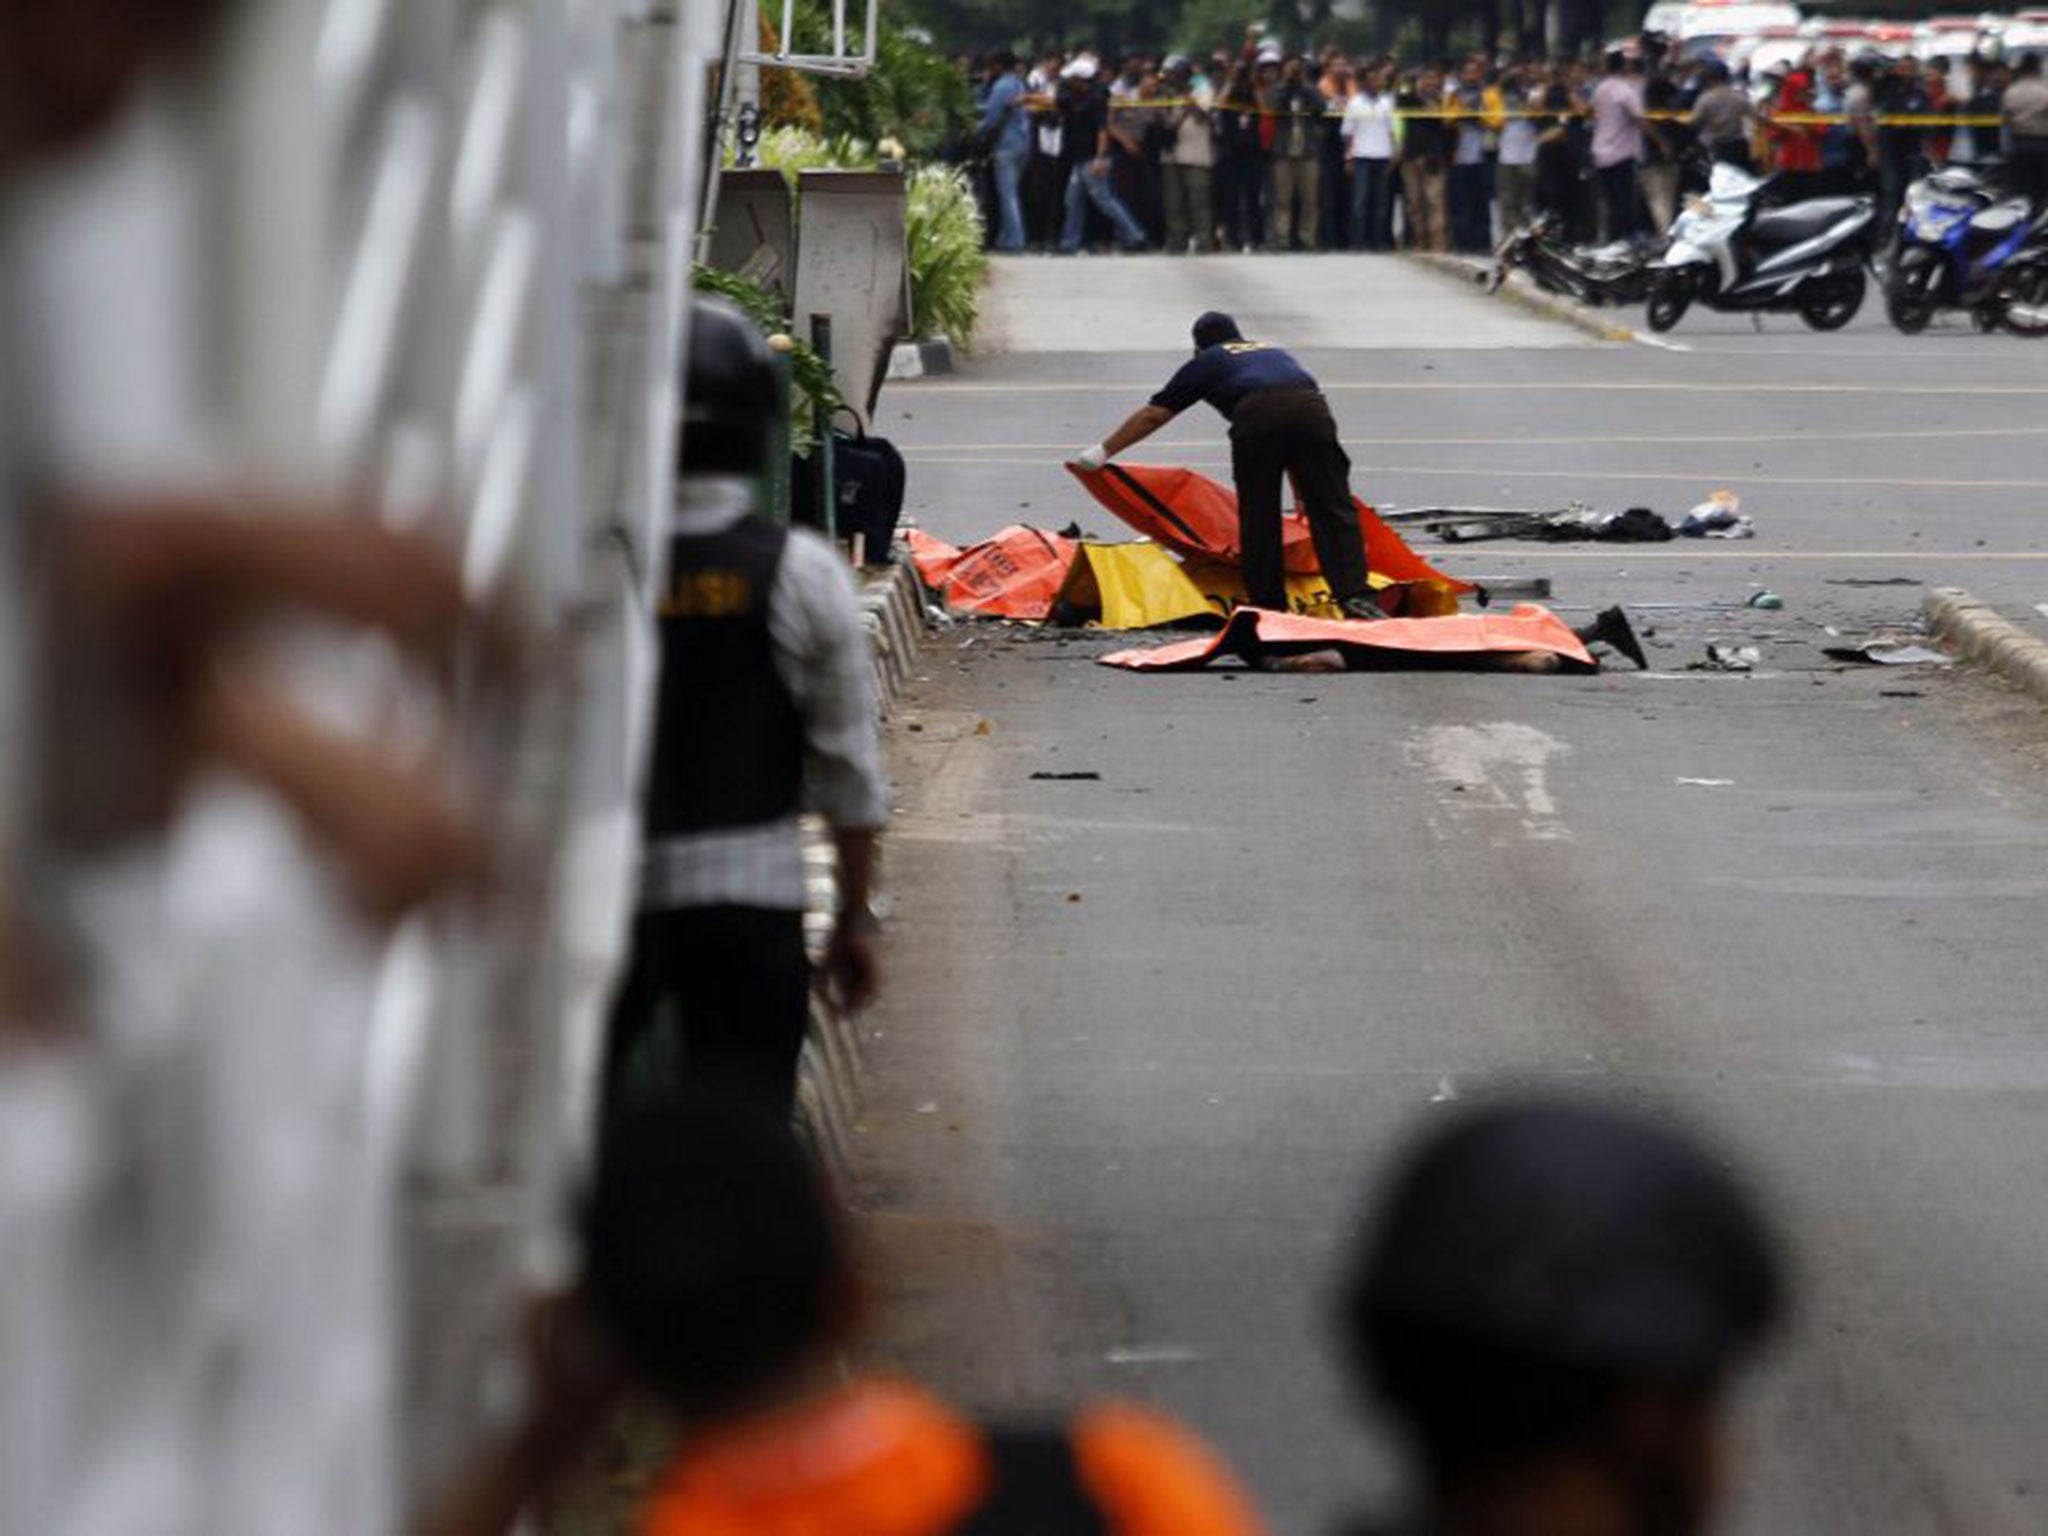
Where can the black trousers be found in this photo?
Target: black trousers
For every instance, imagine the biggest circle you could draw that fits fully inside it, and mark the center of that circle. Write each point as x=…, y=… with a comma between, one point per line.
x=1618, y=186
x=715, y=998
x=1289, y=432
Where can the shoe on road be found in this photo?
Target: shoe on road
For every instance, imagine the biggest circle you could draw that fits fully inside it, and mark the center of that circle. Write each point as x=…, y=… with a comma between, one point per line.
x=1363, y=608
x=1611, y=627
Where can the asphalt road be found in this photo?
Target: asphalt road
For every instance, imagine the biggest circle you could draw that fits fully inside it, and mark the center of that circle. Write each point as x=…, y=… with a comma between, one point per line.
x=1150, y=1035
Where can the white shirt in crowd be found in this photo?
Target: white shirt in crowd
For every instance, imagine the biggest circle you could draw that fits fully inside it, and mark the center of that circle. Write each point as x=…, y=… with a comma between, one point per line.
x=1192, y=144
x=1518, y=137
x=1039, y=83
x=1368, y=126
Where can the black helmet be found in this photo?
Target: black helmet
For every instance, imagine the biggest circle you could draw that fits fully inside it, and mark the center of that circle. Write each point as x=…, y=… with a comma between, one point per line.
x=729, y=395
x=1570, y=1235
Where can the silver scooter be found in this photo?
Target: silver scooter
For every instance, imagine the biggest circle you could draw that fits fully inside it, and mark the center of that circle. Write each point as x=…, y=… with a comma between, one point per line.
x=1732, y=250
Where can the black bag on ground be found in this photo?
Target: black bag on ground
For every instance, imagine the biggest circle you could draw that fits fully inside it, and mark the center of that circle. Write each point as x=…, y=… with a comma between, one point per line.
x=867, y=483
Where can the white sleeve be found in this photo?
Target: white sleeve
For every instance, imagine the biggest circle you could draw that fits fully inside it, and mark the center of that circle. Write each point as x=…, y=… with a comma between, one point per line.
x=824, y=658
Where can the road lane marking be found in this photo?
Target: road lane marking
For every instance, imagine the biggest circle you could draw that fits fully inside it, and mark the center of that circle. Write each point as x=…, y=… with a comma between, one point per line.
x=1494, y=770
x=1651, y=439
x=1637, y=554
x=1153, y=1354
x=1550, y=386
x=1683, y=477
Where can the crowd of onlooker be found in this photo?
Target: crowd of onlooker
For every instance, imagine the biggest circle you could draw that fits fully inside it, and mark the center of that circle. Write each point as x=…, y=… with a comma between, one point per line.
x=1259, y=149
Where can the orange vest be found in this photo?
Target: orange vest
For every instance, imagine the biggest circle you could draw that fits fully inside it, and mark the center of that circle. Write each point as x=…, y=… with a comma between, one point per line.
x=887, y=1459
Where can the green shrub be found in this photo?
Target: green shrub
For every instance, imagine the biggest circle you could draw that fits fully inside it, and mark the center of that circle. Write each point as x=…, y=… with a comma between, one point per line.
x=794, y=150
x=913, y=94
x=810, y=376
x=948, y=264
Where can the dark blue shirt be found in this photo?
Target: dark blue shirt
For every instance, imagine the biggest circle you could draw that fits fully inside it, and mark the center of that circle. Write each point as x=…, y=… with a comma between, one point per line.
x=1225, y=373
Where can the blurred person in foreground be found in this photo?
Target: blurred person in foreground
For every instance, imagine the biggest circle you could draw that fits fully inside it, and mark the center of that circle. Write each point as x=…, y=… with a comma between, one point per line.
x=766, y=703
x=1552, y=1305
x=718, y=1278
x=129, y=624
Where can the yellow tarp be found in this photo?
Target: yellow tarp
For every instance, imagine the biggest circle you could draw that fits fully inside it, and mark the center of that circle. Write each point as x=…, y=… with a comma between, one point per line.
x=1133, y=586
x=1309, y=595
x=1140, y=586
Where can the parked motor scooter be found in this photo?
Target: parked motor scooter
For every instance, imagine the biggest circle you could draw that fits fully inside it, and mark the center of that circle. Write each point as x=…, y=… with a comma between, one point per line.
x=1961, y=246
x=1734, y=250
x=1615, y=273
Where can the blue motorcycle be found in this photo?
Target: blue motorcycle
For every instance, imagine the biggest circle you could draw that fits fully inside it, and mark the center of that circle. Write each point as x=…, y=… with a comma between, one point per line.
x=1961, y=246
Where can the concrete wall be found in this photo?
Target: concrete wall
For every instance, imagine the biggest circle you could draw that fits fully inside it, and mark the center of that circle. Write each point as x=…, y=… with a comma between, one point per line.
x=263, y=1220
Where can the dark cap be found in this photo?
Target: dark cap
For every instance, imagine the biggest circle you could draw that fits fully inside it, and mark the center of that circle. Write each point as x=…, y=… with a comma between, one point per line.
x=1587, y=1236
x=1214, y=327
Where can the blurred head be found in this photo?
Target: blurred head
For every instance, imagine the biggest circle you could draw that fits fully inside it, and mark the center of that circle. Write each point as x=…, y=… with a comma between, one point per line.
x=1214, y=328
x=1617, y=61
x=1002, y=61
x=67, y=66
x=1563, y=1285
x=2028, y=68
x=729, y=393
x=711, y=1256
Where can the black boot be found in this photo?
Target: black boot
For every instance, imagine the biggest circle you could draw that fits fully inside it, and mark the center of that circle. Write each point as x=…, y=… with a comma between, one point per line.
x=1610, y=627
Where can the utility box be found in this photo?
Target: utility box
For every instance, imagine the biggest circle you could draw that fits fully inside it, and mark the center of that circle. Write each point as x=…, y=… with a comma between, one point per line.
x=755, y=233
x=853, y=265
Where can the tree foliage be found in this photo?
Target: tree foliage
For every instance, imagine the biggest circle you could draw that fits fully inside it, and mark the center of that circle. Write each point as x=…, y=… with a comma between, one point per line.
x=1114, y=26
x=915, y=94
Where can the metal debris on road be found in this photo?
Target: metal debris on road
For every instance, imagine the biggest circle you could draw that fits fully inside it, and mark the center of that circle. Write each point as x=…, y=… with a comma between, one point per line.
x=1062, y=778
x=1887, y=652
x=1729, y=658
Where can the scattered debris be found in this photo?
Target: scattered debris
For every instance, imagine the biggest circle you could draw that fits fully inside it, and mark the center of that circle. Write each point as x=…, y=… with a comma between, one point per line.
x=1709, y=783
x=1890, y=652
x=1900, y=693
x=1718, y=517
x=1765, y=598
x=1066, y=778
x=1729, y=658
x=1874, y=581
x=1073, y=897
x=983, y=727
x=1491, y=587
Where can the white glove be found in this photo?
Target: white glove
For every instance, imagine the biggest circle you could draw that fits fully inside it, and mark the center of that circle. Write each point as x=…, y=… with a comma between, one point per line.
x=1090, y=458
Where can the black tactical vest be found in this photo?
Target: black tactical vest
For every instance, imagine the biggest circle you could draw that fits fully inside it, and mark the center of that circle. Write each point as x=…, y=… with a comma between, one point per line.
x=728, y=741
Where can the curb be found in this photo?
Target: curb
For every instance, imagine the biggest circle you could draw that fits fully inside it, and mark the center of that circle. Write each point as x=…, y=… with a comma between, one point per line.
x=1518, y=290
x=1980, y=634
x=829, y=1072
x=917, y=359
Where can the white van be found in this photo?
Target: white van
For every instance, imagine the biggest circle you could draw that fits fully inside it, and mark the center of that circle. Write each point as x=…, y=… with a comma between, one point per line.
x=1718, y=27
